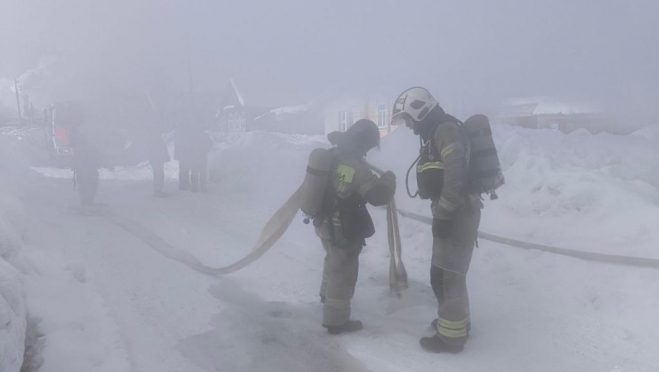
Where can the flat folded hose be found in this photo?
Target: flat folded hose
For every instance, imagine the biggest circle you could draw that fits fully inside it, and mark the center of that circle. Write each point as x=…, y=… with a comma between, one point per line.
x=270, y=234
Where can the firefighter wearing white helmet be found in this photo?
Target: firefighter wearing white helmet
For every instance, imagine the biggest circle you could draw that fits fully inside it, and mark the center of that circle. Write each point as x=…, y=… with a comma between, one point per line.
x=415, y=103
x=442, y=178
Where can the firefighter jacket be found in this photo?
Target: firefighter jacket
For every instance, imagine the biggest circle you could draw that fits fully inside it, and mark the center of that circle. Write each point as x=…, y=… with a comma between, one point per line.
x=453, y=152
x=353, y=185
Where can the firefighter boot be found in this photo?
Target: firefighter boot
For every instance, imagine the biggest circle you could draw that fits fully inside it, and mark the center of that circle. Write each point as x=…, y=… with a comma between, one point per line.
x=347, y=327
x=436, y=345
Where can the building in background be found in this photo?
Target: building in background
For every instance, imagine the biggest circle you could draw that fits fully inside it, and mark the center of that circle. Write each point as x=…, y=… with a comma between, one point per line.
x=550, y=113
x=276, y=106
x=260, y=103
x=7, y=117
x=344, y=109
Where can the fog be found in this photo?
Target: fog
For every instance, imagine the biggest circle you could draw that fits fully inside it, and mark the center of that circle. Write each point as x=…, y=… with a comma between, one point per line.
x=602, y=52
x=145, y=228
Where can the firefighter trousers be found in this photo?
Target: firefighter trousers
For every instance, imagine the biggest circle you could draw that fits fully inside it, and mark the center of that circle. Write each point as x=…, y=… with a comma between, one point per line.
x=199, y=176
x=158, y=169
x=448, y=277
x=87, y=181
x=340, y=273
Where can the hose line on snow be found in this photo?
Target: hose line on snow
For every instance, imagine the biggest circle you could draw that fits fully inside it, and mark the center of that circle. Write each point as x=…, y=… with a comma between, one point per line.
x=588, y=256
x=271, y=232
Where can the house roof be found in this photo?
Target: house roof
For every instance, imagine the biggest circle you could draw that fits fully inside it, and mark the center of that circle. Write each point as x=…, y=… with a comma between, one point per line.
x=269, y=90
x=281, y=112
x=265, y=90
x=542, y=106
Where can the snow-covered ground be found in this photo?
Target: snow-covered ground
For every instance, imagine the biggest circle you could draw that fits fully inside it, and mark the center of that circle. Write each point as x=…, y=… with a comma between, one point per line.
x=103, y=300
x=13, y=223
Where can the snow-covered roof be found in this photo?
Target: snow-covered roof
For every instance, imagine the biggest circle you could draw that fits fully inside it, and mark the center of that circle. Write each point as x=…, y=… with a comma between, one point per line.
x=265, y=90
x=289, y=109
x=280, y=111
x=544, y=106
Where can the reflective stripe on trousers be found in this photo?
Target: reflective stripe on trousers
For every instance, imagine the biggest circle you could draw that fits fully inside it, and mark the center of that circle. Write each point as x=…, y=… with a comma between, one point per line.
x=455, y=331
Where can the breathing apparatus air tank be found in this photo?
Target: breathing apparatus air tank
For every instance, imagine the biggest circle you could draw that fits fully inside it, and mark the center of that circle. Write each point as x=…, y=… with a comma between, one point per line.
x=485, y=175
x=316, y=182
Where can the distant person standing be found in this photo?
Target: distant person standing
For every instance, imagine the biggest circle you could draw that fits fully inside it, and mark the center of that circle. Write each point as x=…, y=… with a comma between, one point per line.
x=86, y=162
x=201, y=145
x=184, y=153
x=157, y=154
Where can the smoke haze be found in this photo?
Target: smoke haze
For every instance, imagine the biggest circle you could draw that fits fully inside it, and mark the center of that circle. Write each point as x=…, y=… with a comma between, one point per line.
x=601, y=52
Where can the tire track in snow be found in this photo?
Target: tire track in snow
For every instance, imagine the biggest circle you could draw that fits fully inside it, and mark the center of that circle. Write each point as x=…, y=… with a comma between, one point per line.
x=153, y=305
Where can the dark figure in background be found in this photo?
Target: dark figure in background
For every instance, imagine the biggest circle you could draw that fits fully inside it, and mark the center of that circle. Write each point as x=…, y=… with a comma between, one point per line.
x=201, y=146
x=157, y=154
x=87, y=159
x=184, y=153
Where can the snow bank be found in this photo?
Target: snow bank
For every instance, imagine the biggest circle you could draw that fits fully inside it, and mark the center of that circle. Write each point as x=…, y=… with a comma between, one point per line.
x=77, y=331
x=13, y=309
x=13, y=318
x=71, y=325
x=582, y=191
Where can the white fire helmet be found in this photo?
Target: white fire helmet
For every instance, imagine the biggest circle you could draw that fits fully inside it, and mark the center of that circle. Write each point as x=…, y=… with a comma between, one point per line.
x=414, y=103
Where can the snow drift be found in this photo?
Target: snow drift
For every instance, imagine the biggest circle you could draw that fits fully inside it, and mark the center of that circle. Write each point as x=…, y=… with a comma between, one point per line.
x=581, y=191
x=13, y=309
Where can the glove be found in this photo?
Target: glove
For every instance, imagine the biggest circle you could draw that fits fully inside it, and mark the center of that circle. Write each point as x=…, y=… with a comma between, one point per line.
x=335, y=138
x=389, y=176
x=441, y=228
x=388, y=179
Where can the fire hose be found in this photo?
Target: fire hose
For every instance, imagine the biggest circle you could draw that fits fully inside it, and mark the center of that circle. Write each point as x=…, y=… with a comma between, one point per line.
x=270, y=234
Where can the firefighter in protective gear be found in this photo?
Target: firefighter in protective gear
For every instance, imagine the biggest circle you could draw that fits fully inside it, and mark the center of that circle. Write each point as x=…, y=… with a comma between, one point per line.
x=344, y=223
x=151, y=146
x=442, y=174
x=199, y=164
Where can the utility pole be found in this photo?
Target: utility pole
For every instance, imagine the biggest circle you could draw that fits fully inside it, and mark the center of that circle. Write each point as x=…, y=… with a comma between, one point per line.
x=190, y=81
x=27, y=110
x=18, y=101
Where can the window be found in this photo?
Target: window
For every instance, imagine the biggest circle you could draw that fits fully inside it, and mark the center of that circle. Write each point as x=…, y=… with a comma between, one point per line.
x=236, y=122
x=345, y=120
x=382, y=116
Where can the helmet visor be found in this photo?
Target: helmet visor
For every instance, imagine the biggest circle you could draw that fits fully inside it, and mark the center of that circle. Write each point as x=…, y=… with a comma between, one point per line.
x=402, y=119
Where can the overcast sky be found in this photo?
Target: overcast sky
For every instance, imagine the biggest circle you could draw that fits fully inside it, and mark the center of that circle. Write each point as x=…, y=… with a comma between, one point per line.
x=603, y=51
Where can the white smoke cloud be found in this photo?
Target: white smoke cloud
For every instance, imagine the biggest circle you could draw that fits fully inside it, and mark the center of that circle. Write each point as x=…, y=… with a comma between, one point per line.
x=486, y=51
